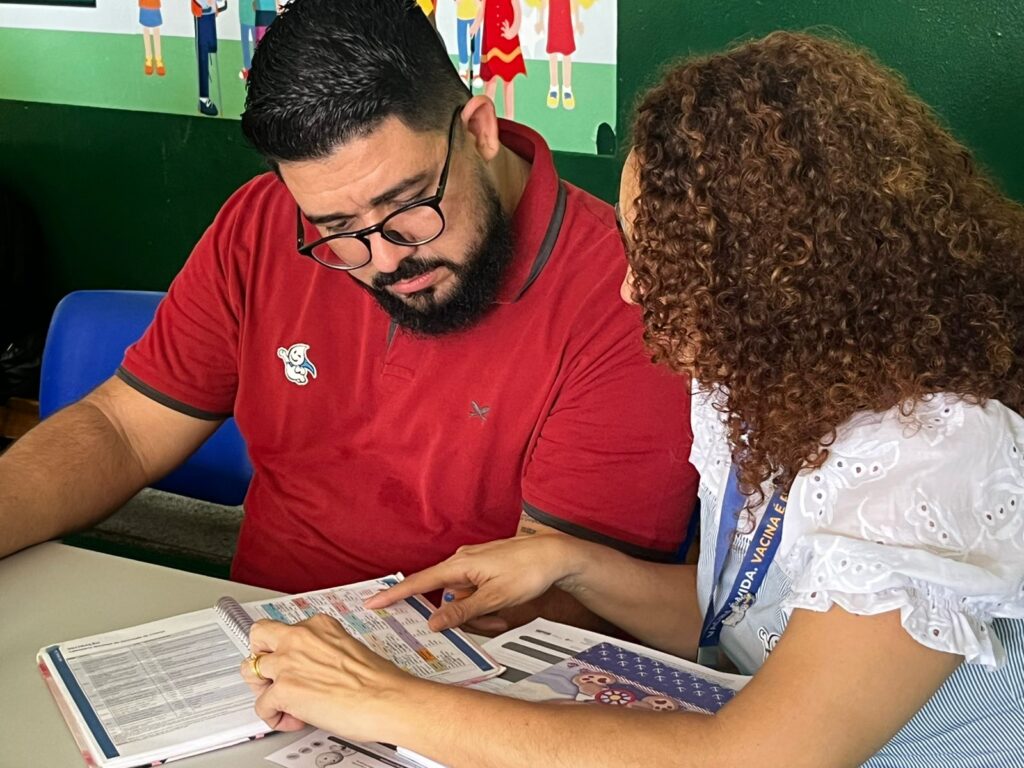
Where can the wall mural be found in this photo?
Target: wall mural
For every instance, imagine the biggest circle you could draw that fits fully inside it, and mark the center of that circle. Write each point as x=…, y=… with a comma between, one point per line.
x=548, y=63
x=82, y=3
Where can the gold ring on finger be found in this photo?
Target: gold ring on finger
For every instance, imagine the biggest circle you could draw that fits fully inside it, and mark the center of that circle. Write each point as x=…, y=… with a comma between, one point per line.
x=256, y=667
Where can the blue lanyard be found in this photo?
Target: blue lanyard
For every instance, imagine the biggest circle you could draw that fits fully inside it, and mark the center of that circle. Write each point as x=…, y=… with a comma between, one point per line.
x=755, y=563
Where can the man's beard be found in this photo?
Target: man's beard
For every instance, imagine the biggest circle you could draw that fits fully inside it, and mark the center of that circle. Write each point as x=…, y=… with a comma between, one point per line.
x=476, y=282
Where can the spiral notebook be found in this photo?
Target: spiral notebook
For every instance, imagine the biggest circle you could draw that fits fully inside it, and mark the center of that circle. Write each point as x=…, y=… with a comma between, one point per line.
x=171, y=688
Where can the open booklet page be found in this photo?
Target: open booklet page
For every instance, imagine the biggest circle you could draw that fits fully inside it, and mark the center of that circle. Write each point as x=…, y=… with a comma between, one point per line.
x=155, y=691
x=172, y=687
x=398, y=632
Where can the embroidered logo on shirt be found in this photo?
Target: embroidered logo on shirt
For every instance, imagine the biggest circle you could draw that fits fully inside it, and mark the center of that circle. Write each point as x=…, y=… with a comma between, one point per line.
x=297, y=365
x=479, y=411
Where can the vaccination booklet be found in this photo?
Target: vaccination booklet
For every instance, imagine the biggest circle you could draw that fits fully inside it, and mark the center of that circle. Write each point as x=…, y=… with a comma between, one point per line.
x=548, y=661
x=171, y=688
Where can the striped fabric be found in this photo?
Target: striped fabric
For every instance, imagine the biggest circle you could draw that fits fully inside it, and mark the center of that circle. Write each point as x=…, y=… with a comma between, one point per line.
x=975, y=720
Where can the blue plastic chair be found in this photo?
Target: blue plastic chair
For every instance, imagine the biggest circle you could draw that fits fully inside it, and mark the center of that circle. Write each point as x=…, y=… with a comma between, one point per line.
x=88, y=335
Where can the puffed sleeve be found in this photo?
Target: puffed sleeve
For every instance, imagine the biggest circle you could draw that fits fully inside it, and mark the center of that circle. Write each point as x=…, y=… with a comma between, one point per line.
x=919, y=513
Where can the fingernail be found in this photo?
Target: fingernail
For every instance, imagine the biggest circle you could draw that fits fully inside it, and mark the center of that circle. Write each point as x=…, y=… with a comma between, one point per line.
x=448, y=597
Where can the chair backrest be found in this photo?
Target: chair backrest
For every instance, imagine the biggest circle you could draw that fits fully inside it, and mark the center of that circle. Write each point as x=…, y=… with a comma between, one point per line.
x=88, y=335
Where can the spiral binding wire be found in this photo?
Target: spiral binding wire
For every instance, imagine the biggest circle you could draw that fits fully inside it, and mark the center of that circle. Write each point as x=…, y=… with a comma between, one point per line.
x=235, y=618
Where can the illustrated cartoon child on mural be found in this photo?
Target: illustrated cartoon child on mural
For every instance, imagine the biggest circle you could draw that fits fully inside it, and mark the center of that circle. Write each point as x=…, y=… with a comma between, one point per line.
x=266, y=12
x=151, y=19
x=247, y=27
x=204, y=14
x=563, y=24
x=502, y=57
x=469, y=43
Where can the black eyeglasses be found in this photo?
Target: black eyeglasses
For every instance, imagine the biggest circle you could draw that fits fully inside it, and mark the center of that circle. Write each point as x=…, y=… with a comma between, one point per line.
x=416, y=223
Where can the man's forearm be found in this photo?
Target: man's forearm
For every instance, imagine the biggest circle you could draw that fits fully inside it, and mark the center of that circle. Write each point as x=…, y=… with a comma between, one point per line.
x=66, y=474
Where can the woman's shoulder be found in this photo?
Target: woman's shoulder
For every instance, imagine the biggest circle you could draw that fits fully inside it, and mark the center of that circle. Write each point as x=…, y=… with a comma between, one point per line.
x=943, y=472
x=942, y=441
x=919, y=509
x=941, y=419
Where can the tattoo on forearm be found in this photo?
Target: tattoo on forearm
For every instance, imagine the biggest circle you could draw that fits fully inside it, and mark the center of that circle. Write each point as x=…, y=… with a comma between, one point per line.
x=527, y=525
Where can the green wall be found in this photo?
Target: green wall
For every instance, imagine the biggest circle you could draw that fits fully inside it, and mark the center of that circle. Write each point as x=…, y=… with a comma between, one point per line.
x=964, y=57
x=123, y=195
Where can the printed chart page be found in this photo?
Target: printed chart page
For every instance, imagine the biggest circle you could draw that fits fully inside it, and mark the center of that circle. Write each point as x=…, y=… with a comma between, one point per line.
x=398, y=632
x=156, y=690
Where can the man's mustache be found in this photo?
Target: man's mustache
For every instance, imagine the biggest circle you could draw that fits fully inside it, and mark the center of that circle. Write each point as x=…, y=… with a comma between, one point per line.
x=410, y=268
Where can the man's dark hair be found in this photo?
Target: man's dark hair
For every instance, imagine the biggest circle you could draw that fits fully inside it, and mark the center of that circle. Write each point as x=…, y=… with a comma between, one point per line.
x=330, y=70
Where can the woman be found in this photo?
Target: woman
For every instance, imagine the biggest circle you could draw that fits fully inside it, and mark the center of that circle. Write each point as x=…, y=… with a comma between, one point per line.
x=846, y=291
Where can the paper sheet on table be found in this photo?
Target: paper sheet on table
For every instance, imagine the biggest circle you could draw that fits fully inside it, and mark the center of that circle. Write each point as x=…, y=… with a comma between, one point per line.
x=534, y=647
x=320, y=749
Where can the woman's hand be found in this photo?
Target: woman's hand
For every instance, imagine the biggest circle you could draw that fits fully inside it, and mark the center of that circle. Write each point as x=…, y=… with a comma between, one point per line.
x=492, y=576
x=316, y=674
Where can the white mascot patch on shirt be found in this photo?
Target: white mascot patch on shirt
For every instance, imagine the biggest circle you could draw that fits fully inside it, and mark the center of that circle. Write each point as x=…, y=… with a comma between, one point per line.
x=297, y=365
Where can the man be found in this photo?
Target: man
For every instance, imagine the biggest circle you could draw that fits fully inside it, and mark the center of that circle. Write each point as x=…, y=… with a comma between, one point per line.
x=445, y=351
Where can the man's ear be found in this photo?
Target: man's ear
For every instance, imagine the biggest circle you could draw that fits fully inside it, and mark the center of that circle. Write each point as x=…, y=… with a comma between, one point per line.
x=481, y=124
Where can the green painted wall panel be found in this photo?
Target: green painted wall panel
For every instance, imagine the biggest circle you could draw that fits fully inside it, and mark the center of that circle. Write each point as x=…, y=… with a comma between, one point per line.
x=124, y=195
x=964, y=57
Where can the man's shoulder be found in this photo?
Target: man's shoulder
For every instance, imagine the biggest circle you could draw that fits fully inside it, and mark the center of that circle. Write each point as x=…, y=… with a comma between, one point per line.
x=256, y=215
x=590, y=219
x=589, y=259
x=264, y=188
x=263, y=200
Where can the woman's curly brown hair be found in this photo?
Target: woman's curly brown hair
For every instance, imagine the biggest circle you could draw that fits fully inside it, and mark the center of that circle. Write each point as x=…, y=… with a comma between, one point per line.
x=810, y=240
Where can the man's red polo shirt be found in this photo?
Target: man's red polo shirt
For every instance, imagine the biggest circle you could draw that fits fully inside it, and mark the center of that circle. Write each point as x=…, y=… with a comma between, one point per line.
x=402, y=448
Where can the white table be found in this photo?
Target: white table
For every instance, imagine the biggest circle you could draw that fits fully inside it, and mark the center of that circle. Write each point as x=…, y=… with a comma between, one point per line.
x=52, y=593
